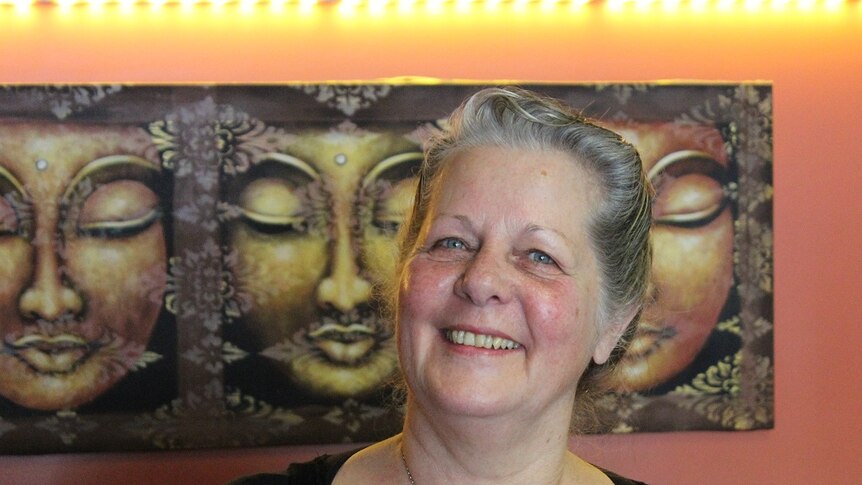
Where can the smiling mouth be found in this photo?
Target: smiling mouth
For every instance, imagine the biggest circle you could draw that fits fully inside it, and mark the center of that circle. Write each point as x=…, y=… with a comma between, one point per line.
x=470, y=339
x=58, y=354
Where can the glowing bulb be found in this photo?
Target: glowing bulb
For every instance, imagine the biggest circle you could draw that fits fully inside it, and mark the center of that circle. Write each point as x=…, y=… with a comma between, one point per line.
x=643, y=5
x=463, y=6
x=434, y=6
x=671, y=6
x=348, y=7
x=492, y=5
x=699, y=5
x=725, y=5
x=753, y=5
x=520, y=6
x=65, y=5
x=578, y=5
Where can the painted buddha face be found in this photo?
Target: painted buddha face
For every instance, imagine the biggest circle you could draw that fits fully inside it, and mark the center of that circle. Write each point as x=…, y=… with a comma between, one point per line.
x=692, y=242
x=315, y=239
x=83, y=259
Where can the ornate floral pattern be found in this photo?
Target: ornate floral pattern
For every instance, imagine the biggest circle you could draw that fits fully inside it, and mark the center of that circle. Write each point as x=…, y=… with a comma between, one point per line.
x=64, y=100
x=347, y=98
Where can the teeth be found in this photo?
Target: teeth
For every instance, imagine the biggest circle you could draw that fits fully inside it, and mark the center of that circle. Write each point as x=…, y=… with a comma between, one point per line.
x=482, y=341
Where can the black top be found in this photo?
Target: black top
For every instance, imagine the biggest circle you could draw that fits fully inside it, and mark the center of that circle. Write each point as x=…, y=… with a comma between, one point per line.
x=322, y=471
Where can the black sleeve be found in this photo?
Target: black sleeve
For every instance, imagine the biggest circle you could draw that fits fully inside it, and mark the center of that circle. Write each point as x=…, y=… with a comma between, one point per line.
x=620, y=480
x=319, y=471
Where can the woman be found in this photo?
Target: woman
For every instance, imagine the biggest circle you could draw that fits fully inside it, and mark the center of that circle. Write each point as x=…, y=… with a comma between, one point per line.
x=522, y=270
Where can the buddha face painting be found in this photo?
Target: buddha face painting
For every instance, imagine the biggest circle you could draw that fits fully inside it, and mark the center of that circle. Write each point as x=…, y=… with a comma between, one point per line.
x=315, y=240
x=84, y=259
x=692, y=241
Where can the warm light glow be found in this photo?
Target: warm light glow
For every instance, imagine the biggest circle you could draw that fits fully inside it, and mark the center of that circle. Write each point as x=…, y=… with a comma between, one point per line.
x=578, y=5
x=436, y=7
x=377, y=7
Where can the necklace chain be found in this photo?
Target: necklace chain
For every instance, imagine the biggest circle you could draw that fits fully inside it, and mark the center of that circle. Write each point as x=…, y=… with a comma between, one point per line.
x=406, y=468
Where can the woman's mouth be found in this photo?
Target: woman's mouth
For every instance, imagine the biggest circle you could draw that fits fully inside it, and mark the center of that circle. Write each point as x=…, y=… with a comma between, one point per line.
x=470, y=339
x=57, y=354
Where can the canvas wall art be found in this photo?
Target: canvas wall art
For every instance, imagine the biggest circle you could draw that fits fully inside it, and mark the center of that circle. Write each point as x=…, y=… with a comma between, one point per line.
x=203, y=266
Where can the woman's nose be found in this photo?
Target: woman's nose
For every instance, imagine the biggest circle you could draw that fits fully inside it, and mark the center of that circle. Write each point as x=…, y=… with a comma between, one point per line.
x=48, y=297
x=485, y=279
x=343, y=288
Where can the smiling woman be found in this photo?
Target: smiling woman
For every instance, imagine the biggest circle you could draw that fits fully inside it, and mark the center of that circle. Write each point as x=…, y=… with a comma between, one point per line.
x=523, y=267
x=78, y=214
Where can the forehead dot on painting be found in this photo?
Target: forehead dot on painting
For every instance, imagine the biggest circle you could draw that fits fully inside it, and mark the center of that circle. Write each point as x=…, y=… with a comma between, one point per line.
x=341, y=159
x=41, y=165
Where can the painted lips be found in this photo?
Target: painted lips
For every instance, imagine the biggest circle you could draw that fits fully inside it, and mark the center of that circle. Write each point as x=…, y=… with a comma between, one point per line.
x=346, y=344
x=55, y=354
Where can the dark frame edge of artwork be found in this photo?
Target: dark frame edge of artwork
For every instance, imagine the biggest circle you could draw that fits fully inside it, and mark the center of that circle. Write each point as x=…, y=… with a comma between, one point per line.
x=217, y=128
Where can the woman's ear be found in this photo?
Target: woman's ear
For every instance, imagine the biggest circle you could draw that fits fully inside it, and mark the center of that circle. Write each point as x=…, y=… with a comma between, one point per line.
x=610, y=336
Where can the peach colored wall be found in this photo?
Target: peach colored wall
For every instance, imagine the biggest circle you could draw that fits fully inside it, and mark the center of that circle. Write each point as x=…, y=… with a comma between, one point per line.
x=816, y=67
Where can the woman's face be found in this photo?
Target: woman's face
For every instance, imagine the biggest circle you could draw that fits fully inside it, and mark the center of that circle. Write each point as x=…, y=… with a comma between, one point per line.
x=497, y=305
x=314, y=240
x=84, y=258
x=693, y=242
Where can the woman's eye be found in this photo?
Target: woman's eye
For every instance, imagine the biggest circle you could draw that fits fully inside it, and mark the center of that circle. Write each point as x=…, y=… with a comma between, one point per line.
x=118, y=209
x=689, y=200
x=540, y=257
x=451, y=243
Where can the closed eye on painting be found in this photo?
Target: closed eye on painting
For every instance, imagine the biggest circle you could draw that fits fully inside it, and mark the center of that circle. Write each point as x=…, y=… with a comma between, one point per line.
x=689, y=189
x=389, y=187
x=275, y=197
x=118, y=209
x=272, y=206
x=113, y=197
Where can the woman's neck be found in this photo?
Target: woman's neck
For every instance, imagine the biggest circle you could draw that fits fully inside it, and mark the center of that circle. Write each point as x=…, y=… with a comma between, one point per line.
x=498, y=450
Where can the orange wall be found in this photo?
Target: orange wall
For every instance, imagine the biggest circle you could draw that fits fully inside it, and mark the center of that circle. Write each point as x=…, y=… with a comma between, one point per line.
x=816, y=67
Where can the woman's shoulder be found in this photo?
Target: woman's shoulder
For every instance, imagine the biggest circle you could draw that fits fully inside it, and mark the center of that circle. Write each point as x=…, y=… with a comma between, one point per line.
x=319, y=471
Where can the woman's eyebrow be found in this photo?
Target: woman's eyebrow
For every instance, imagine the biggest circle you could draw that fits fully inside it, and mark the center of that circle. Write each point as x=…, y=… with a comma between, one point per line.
x=533, y=228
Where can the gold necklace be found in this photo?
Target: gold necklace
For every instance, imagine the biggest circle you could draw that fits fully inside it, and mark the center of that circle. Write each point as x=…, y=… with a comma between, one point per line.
x=406, y=468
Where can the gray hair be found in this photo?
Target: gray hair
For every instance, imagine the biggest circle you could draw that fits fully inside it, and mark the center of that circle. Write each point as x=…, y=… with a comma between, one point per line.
x=619, y=228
